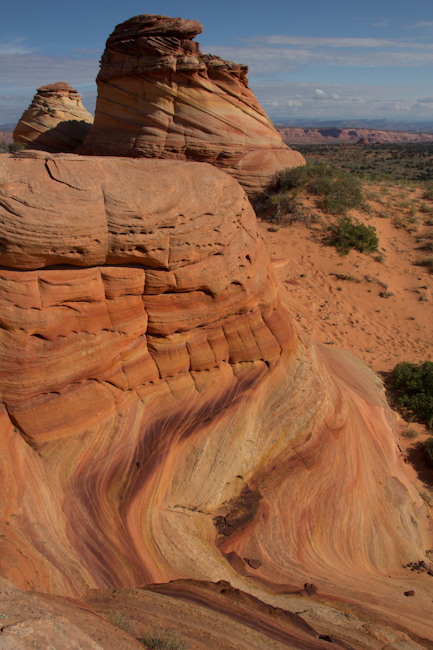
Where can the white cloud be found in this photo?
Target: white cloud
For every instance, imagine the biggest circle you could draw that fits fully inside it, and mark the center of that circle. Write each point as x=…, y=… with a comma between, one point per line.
x=346, y=43
x=320, y=94
x=15, y=46
x=338, y=101
x=382, y=23
x=265, y=61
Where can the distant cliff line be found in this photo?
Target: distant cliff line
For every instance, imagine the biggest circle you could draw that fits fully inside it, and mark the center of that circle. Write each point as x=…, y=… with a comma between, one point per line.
x=334, y=135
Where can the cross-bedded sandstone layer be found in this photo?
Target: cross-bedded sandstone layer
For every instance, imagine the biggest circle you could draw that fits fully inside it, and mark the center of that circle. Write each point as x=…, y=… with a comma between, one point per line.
x=160, y=97
x=161, y=418
x=56, y=120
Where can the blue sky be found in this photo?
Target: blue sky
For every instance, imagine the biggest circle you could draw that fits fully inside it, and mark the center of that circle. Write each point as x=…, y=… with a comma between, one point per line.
x=308, y=59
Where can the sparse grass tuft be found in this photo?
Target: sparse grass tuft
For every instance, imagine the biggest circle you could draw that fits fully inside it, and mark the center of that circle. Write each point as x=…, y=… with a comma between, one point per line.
x=410, y=434
x=163, y=640
x=348, y=276
x=124, y=622
x=428, y=193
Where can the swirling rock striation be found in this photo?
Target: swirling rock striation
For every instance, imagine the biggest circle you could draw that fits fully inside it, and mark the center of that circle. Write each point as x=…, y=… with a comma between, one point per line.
x=56, y=120
x=160, y=97
x=161, y=417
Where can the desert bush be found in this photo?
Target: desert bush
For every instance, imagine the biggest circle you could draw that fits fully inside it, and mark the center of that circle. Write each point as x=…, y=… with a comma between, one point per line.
x=414, y=383
x=163, y=640
x=11, y=147
x=428, y=193
x=427, y=449
x=347, y=234
x=338, y=190
x=15, y=146
x=426, y=261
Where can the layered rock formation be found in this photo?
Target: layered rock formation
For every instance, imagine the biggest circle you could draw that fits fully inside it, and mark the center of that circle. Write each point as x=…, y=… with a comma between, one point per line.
x=161, y=417
x=160, y=97
x=56, y=120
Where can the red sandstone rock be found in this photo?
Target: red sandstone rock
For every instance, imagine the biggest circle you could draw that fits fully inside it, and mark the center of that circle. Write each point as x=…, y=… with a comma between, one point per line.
x=160, y=415
x=160, y=97
x=56, y=120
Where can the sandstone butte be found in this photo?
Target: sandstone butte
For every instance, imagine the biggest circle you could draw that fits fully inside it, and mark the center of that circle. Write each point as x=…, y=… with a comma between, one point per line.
x=163, y=419
x=160, y=97
x=56, y=120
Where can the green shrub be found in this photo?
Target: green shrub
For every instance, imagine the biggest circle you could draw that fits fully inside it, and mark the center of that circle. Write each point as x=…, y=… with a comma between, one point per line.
x=415, y=385
x=338, y=190
x=346, y=234
x=163, y=640
x=10, y=147
x=15, y=146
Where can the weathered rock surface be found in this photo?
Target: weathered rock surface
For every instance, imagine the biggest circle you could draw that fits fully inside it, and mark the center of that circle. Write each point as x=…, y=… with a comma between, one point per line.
x=30, y=621
x=160, y=97
x=56, y=120
x=161, y=417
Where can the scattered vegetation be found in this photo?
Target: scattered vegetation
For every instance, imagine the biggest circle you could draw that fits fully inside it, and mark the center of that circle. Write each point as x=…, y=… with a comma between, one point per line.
x=414, y=383
x=11, y=147
x=405, y=162
x=348, y=277
x=163, y=640
x=410, y=433
x=336, y=190
x=347, y=234
x=426, y=495
x=124, y=622
x=428, y=193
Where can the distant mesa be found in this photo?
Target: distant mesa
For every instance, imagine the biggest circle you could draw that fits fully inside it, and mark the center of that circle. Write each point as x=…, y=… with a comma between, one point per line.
x=295, y=135
x=56, y=120
x=160, y=97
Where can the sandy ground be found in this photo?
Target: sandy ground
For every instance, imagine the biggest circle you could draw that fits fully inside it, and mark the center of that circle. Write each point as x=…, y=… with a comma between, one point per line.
x=385, y=314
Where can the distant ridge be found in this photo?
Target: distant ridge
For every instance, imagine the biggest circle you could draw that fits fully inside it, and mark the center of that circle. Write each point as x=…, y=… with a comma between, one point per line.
x=349, y=135
x=383, y=124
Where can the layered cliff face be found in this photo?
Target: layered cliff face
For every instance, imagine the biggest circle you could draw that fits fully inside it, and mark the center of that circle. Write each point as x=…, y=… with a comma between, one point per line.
x=161, y=418
x=56, y=120
x=160, y=97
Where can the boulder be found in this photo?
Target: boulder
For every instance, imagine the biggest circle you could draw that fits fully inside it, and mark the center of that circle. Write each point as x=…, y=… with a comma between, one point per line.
x=161, y=416
x=56, y=120
x=160, y=97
